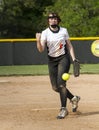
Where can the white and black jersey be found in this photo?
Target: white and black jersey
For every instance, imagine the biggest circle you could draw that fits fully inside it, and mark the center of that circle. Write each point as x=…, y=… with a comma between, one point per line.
x=56, y=42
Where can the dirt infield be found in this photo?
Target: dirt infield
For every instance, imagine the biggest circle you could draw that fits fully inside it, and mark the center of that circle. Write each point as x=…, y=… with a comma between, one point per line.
x=29, y=103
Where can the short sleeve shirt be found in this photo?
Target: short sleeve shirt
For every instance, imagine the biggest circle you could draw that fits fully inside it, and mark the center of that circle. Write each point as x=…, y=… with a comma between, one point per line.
x=56, y=42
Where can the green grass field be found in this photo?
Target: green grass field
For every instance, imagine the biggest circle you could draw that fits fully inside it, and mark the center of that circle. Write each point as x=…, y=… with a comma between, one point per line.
x=43, y=70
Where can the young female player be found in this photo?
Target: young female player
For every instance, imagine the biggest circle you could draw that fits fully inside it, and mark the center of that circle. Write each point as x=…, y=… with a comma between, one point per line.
x=59, y=49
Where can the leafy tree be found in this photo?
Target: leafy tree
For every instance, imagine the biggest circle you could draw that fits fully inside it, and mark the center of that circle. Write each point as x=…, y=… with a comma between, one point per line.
x=81, y=17
x=21, y=18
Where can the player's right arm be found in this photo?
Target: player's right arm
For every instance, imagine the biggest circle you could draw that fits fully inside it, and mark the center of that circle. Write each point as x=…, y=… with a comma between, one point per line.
x=40, y=47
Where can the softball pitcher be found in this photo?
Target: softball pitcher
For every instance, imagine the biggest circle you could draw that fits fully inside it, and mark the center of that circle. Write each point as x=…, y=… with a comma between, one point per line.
x=59, y=50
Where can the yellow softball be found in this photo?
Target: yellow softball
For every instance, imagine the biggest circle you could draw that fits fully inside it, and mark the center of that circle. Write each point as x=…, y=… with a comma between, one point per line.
x=65, y=76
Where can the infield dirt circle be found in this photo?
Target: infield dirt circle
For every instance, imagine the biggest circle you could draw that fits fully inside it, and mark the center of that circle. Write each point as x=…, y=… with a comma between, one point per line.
x=29, y=103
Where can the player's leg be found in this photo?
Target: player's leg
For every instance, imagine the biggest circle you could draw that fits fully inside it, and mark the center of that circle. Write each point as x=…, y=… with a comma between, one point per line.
x=63, y=66
x=52, y=66
x=53, y=73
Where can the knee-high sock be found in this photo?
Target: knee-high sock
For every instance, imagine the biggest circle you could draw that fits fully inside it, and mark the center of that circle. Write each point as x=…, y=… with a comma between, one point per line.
x=69, y=94
x=63, y=96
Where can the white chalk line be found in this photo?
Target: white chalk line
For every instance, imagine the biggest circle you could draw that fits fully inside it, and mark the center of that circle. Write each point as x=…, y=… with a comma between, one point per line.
x=4, y=81
x=44, y=109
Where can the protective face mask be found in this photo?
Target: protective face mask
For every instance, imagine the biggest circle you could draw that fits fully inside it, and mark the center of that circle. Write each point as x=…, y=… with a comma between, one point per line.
x=54, y=25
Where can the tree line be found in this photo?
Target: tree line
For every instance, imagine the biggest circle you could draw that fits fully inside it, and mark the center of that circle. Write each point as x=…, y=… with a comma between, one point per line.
x=23, y=18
